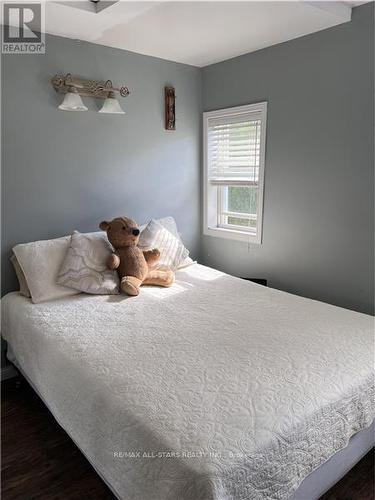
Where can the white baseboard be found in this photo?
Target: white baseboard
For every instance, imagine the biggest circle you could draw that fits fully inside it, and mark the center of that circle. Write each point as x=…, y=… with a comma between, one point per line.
x=8, y=372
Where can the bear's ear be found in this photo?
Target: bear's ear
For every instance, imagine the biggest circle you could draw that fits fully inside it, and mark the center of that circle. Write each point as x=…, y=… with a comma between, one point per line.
x=104, y=225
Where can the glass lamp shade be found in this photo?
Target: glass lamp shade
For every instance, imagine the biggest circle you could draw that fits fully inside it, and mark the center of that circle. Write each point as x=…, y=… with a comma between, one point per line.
x=111, y=105
x=72, y=102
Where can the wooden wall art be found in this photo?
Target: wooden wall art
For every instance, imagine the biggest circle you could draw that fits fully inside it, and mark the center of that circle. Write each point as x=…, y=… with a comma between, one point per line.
x=170, y=108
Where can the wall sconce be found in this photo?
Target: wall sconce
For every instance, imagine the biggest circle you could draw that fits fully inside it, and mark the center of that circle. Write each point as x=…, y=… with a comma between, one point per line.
x=111, y=105
x=72, y=101
x=74, y=88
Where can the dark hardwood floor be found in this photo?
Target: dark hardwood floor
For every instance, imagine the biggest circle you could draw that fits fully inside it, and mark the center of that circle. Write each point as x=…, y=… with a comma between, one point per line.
x=39, y=461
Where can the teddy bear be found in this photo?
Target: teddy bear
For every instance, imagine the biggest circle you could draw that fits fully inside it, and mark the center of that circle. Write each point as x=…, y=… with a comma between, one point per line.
x=134, y=266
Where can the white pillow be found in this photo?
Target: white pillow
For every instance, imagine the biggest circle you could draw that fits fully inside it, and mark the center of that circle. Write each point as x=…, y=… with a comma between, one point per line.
x=40, y=262
x=85, y=265
x=172, y=251
x=187, y=262
x=24, y=289
x=168, y=222
x=170, y=225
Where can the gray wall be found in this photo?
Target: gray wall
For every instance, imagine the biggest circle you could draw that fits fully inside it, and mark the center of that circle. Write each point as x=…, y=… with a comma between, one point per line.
x=318, y=232
x=63, y=171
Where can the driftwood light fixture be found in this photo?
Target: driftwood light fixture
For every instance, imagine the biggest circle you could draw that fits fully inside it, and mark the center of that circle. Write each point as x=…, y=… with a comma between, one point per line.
x=88, y=88
x=76, y=87
x=170, y=108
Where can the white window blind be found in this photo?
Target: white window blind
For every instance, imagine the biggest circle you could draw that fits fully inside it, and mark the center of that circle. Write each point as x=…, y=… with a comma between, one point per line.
x=234, y=158
x=233, y=145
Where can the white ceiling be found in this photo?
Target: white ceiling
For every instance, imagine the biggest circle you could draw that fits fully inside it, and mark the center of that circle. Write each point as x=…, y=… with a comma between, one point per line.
x=197, y=33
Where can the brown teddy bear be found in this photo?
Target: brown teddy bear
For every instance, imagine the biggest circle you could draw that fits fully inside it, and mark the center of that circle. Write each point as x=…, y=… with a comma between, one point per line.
x=133, y=265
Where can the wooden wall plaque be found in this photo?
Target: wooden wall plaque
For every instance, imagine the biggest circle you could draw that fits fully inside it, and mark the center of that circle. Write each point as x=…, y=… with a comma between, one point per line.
x=170, y=108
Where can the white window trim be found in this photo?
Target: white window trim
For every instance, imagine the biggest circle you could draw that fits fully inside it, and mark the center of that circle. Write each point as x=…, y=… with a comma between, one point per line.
x=213, y=229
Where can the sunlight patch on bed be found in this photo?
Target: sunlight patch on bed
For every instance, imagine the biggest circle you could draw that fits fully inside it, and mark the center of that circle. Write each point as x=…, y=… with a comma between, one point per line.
x=164, y=293
x=203, y=273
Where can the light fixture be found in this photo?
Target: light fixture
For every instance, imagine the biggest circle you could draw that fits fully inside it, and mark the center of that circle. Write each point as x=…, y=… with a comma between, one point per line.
x=72, y=101
x=111, y=105
x=75, y=87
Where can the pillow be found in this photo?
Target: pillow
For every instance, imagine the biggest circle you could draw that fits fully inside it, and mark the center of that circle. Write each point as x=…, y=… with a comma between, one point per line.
x=168, y=222
x=172, y=251
x=40, y=262
x=186, y=263
x=24, y=289
x=84, y=267
x=170, y=225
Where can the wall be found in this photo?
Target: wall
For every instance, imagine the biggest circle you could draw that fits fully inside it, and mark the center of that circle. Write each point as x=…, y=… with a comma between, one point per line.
x=63, y=171
x=318, y=233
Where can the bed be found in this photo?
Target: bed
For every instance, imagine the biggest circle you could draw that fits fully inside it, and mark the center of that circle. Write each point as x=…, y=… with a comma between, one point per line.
x=214, y=389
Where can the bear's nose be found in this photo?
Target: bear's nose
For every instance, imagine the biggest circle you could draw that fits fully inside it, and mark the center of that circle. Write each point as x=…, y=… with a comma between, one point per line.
x=135, y=232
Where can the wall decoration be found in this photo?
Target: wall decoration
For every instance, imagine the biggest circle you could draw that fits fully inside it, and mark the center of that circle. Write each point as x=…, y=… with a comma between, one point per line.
x=170, y=108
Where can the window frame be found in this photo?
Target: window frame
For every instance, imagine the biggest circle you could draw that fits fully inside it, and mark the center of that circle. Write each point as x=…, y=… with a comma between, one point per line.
x=211, y=215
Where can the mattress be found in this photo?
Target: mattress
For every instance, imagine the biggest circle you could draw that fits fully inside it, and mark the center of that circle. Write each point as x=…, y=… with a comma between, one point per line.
x=214, y=389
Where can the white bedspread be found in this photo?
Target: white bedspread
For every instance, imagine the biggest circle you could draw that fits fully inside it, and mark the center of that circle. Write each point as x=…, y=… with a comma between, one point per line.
x=214, y=389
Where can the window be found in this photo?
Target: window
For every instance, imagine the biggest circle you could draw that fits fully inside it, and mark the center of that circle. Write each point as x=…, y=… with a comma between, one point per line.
x=234, y=151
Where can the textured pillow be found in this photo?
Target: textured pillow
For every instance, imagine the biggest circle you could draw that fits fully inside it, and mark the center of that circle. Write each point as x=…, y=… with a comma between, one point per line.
x=187, y=262
x=84, y=267
x=24, y=289
x=40, y=262
x=172, y=251
x=170, y=224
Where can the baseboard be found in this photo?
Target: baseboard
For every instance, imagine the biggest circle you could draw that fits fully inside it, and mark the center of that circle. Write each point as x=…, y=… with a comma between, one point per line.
x=8, y=372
